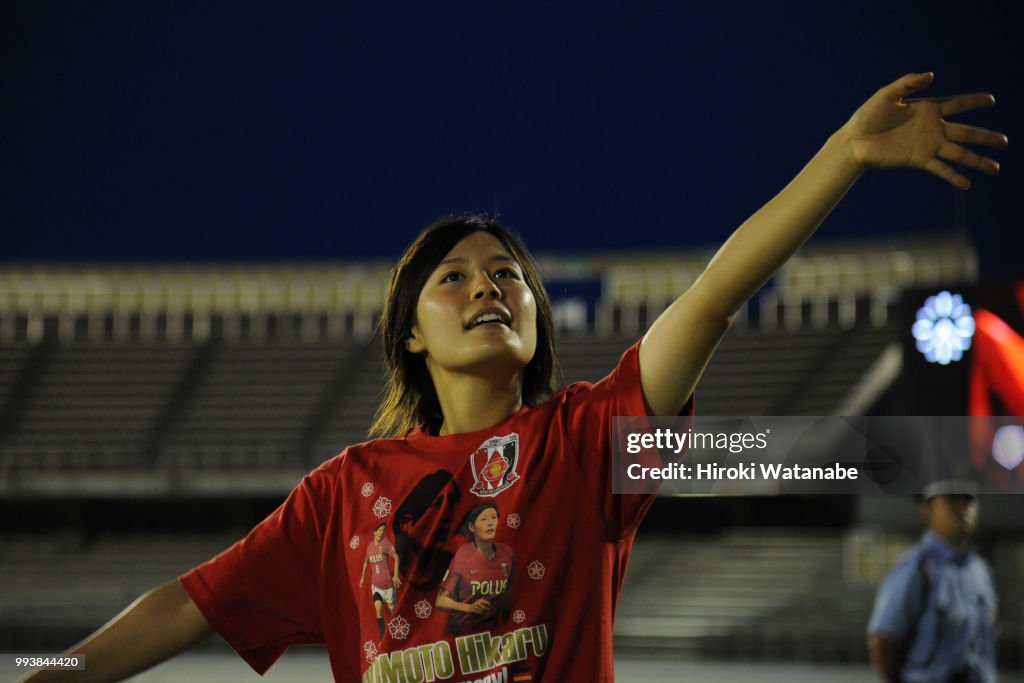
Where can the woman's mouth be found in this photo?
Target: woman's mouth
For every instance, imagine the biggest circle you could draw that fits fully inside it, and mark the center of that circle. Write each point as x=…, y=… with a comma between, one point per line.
x=490, y=318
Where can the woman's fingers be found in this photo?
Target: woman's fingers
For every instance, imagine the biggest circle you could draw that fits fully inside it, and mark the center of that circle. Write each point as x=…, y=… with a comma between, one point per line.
x=972, y=135
x=958, y=104
x=947, y=173
x=910, y=83
x=961, y=155
x=945, y=140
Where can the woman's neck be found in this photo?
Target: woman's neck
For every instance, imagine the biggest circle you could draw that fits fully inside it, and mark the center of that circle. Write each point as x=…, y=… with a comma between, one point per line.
x=470, y=403
x=486, y=548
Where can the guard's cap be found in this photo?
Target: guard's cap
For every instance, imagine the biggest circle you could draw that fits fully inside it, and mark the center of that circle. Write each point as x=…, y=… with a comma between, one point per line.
x=950, y=487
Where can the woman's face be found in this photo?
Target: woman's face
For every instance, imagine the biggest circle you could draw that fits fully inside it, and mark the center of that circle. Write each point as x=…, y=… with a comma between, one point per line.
x=485, y=526
x=475, y=313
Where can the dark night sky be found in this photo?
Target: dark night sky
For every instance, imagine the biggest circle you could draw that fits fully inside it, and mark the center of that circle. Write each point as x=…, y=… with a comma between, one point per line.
x=240, y=131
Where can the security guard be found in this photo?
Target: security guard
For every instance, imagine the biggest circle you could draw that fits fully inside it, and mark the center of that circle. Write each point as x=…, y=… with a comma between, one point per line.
x=935, y=611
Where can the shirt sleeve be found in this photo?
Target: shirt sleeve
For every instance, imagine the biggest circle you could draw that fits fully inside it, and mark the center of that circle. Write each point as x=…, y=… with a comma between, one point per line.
x=590, y=409
x=263, y=594
x=453, y=577
x=898, y=603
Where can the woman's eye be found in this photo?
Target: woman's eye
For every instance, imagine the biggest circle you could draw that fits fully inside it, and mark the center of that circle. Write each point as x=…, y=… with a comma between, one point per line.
x=507, y=272
x=452, y=277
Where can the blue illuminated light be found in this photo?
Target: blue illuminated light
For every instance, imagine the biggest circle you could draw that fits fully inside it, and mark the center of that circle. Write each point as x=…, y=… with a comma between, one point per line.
x=943, y=328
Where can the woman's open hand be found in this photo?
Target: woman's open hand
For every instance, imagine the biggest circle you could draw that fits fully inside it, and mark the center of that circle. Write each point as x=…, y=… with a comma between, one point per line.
x=889, y=131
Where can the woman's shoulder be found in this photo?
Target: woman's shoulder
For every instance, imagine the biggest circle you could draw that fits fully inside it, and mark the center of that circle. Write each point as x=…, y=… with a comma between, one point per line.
x=357, y=457
x=464, y=550
x=369, y=448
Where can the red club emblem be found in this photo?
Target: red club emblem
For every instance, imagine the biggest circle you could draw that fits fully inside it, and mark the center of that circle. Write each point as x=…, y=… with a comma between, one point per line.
x=493, y=465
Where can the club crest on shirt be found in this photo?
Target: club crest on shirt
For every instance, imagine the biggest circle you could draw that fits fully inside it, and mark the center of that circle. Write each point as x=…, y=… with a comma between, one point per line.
x=493, y=465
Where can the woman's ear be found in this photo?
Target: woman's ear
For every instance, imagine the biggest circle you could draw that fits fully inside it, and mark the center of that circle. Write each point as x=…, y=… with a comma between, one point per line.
x=413, y=344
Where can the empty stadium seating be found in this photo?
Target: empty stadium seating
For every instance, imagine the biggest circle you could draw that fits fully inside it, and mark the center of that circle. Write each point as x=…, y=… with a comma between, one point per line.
x=238, y=417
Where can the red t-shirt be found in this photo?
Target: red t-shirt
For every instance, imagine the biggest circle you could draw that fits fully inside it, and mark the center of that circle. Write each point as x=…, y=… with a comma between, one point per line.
x=472, y=576
x=377, y=555
x=295, y=577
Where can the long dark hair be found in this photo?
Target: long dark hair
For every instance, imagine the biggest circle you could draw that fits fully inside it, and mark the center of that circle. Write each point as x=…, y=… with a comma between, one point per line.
x=410, y=398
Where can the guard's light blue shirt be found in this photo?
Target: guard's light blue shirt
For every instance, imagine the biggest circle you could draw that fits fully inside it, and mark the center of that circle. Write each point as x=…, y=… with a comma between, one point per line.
x=940, y=606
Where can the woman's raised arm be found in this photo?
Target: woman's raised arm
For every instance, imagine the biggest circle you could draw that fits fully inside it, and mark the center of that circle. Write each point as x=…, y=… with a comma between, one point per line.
x=887, y=131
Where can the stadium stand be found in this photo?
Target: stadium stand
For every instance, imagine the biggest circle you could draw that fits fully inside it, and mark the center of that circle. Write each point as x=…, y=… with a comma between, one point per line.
x=55, y=590
x=346, y=417
x=166, y=417
x=251, y=405
x=733, y=582
x=91, y=405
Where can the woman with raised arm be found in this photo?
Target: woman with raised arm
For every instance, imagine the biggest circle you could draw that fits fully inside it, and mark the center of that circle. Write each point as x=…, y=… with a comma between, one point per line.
x=471, y=416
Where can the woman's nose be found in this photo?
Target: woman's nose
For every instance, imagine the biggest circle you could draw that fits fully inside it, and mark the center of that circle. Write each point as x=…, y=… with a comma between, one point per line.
x=486, y=287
